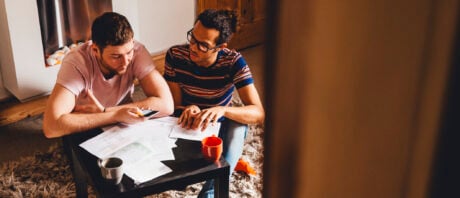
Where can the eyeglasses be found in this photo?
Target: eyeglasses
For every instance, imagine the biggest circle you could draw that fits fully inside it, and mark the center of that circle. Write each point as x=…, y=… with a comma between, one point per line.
x=201, y=45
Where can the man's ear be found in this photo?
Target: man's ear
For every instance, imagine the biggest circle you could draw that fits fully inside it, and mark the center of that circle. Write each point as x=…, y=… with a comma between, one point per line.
x=222, y=46
x=95, y=49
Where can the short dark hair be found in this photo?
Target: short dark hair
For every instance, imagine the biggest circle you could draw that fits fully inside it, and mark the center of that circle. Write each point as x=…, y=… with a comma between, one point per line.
x=111, y=29
x=225, y=21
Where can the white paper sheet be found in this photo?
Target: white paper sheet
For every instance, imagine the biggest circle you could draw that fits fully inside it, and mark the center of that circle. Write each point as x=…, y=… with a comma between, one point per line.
x=143, y=146
x=150, y=169
x=197, y=135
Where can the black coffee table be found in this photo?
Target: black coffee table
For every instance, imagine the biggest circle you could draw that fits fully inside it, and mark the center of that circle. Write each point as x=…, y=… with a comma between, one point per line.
x=189, y=167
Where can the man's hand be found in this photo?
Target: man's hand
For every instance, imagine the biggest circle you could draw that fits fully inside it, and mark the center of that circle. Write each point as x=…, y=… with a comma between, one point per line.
x=94, y=106
x=188, y=116
x=129, y=115
x=206, y=116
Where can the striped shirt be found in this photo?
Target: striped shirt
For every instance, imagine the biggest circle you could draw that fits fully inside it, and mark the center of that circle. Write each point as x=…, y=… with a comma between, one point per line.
x=207, y=86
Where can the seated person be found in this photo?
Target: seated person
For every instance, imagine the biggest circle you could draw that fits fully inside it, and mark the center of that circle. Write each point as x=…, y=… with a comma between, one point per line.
x=202, y=77
x=95, y=82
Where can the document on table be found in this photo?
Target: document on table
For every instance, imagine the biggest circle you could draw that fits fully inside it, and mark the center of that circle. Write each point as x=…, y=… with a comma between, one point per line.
x=178, y=132
x=197, y=135
x=143, y=146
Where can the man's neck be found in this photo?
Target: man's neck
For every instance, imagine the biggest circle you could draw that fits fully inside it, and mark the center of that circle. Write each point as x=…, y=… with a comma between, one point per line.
x=209, y=62
x=108, y=74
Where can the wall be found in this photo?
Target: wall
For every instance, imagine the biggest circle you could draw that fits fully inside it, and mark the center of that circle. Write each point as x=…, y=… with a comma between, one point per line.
x=157, y=24
x=22, y=61
x=4, y=94
x=165, y=22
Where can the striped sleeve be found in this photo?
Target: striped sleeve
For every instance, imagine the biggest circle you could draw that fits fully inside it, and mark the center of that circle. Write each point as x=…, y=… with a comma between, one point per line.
x=170, y=74
x=241, y=74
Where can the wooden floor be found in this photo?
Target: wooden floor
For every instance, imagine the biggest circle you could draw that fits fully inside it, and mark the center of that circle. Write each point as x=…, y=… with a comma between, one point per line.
x=12, y=110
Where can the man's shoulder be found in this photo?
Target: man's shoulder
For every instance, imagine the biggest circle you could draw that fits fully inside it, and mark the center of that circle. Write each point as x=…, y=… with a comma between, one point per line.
x=79, y=59
x=229, y=56
x=178, y=49
x=226, y=52
x=78, y=56
x=138, y=45
x=178, y=52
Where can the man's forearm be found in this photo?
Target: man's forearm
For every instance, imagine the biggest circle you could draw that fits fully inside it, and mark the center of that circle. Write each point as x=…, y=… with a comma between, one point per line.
x=250, y=114
x=76, y=122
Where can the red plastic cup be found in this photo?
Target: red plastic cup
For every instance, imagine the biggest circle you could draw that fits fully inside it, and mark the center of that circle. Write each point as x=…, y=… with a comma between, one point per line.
x=211, y=147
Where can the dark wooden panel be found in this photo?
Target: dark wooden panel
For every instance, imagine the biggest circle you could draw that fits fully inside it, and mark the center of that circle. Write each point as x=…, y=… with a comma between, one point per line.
x=251, y=22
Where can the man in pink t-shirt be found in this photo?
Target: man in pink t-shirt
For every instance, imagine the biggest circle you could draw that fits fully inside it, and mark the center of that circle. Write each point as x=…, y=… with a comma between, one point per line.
x=95, y=82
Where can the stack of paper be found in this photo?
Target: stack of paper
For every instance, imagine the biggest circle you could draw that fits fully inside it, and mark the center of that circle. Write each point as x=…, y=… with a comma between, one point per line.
x=143, y=146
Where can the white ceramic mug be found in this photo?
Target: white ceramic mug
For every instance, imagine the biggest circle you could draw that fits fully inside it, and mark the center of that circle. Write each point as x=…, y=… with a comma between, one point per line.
x=111, y=169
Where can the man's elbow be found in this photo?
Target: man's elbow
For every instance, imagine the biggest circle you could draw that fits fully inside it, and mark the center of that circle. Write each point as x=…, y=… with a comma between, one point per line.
x=261, y=117
x=166, y=109
x=51, y=132
x=169, y=109
x=169, y=105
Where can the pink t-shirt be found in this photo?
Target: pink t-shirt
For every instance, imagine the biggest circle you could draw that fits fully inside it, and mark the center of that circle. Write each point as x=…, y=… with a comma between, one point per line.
x=80, y=70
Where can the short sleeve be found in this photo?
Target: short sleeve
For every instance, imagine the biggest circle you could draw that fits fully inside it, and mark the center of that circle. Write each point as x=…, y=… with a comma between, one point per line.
x=242, y=75
x=142, y=61
x=170, y=74
x=69, y=76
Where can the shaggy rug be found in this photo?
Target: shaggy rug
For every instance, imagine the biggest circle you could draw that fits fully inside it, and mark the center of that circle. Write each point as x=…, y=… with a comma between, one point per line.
x=48, y=174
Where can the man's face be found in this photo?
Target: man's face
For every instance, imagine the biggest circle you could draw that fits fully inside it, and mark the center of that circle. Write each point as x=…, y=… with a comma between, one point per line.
x=203, y=49
x=114, y=60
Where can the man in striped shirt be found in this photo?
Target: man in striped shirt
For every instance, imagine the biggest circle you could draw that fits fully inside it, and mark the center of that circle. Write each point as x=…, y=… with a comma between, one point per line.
x=202, y=77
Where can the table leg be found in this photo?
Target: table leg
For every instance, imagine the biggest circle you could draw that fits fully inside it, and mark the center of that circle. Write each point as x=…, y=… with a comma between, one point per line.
x=81, y=185
x=221, y=185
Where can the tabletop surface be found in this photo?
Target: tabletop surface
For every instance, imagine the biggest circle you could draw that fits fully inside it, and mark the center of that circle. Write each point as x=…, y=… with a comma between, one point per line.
x=188, y=167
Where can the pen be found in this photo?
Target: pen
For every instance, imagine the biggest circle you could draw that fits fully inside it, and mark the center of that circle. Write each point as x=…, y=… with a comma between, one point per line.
x=139, y=113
